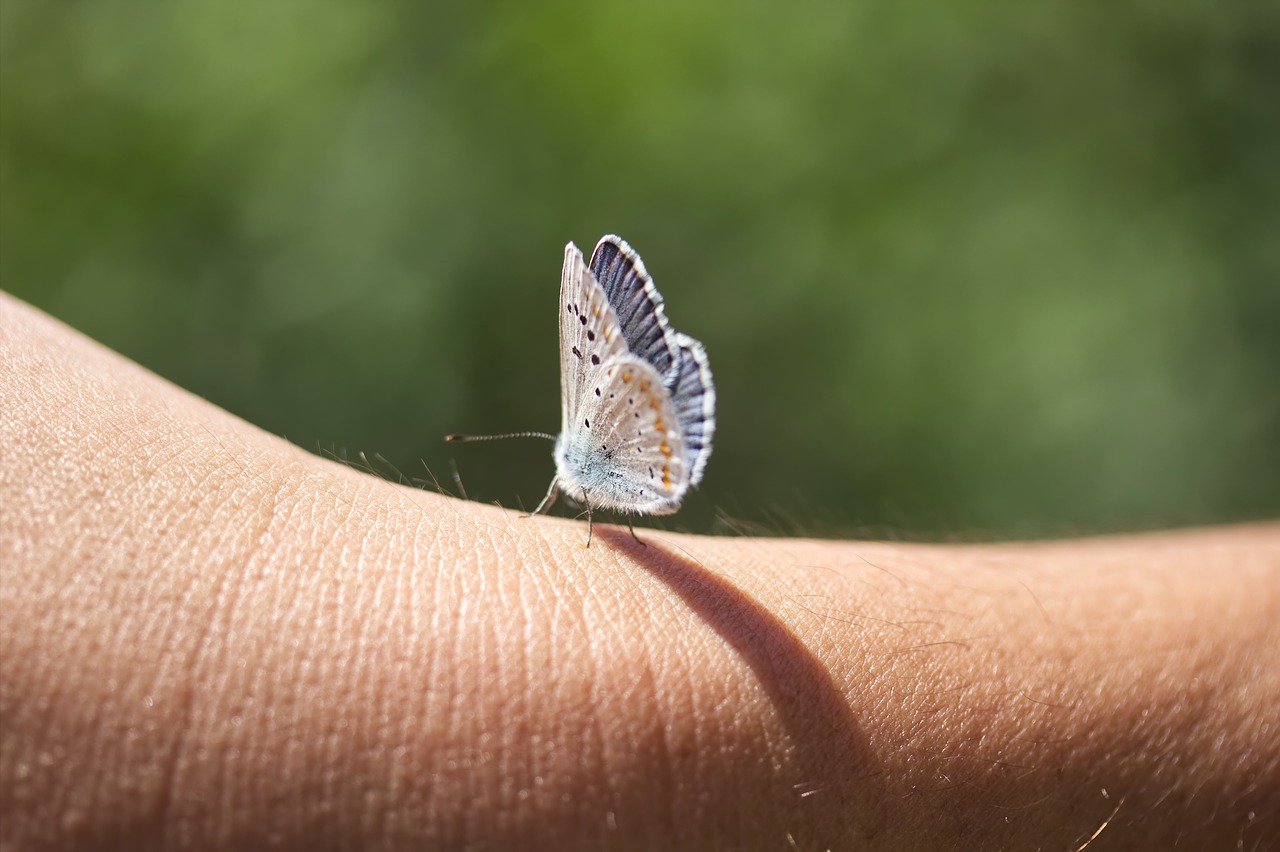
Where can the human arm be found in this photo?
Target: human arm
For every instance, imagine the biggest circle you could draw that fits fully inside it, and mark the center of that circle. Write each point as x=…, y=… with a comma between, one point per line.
x=213, y=639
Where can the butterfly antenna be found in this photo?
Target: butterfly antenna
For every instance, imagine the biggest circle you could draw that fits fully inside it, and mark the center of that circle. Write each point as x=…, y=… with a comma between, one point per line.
x=466, y=439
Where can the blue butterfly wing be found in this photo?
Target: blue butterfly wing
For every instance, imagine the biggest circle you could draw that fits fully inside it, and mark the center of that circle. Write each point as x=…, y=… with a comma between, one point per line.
x=636, y=302
x=678, y=358
x=693, y=395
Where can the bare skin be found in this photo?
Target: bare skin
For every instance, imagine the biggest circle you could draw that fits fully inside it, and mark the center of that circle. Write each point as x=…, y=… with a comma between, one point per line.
x=212, y=639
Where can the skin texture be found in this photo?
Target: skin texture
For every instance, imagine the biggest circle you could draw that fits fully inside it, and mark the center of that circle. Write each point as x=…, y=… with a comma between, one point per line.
x=214, y=640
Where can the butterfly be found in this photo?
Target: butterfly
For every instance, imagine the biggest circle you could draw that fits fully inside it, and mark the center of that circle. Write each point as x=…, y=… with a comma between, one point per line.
x=637, y=399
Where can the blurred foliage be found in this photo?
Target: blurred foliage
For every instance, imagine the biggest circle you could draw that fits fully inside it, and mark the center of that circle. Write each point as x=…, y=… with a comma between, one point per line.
x=963, y=270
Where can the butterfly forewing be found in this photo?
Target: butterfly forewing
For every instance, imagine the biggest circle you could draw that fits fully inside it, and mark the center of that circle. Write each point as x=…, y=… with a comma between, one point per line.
x=635, y=300
x=589, y=333
x=625, y=452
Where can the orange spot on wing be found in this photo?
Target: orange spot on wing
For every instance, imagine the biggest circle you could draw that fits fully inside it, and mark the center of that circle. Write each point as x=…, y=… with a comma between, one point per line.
x=660, y=425
x=666, y=476
x=626, y=375
x=665, y=449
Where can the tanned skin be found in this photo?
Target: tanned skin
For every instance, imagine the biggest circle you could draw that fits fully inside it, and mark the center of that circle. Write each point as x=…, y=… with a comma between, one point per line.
x=211, y=639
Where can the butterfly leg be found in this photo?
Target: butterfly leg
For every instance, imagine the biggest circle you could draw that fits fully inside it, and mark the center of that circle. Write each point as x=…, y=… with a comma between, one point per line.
x=632, y=527
x=547, y=501
x=587, y=503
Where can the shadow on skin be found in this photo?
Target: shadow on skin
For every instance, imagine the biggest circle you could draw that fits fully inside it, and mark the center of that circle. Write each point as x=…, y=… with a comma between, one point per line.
x=830, y=752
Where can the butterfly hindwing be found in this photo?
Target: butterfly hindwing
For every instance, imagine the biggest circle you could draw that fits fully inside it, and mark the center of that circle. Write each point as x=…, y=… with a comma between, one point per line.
x=693, y=395
x=625, y=451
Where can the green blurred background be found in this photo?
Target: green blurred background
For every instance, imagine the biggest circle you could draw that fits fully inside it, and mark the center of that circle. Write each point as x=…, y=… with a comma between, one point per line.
x=963, y=270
